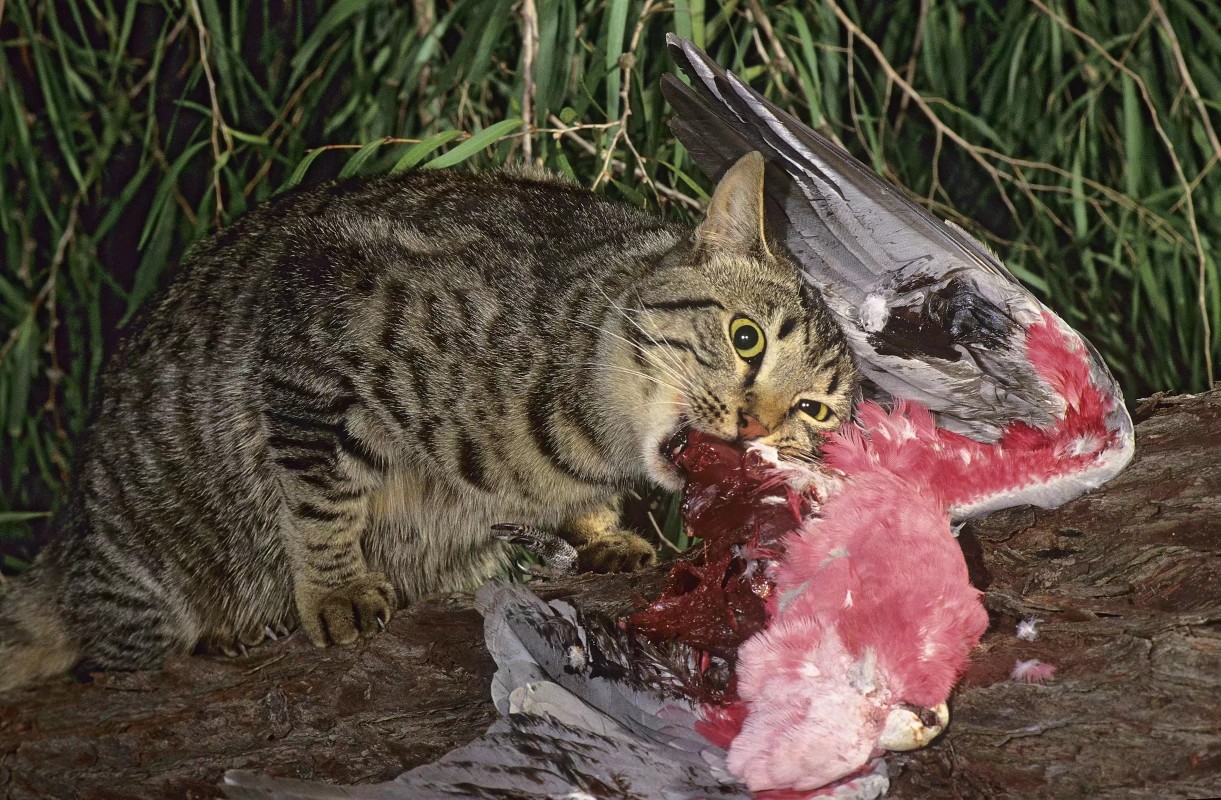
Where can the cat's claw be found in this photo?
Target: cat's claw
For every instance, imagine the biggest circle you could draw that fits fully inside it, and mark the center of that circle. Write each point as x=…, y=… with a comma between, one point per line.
x=343, y=614
x=231, y=645
x=558, y=556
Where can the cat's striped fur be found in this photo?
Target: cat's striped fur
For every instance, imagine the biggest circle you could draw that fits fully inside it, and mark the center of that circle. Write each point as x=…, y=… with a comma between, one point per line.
x=342, y=392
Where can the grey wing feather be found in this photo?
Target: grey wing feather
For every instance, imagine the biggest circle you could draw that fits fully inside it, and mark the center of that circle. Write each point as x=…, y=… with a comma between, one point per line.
x=584, y=717
x=632, y=685
x=931, y=314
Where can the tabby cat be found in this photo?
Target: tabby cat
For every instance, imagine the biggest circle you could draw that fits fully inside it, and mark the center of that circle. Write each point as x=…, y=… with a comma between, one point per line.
x=342, y=392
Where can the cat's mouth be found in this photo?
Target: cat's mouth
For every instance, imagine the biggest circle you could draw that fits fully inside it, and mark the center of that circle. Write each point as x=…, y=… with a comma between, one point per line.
x=672, y=447
x=664, y=462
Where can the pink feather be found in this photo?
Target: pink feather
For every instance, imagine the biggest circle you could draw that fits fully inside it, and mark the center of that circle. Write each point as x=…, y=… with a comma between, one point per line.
x=843, y=587
x=1032, y=671
x=872, y=604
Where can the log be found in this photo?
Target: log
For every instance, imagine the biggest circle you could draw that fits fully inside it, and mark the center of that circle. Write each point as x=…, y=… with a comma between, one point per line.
x=1126, y=581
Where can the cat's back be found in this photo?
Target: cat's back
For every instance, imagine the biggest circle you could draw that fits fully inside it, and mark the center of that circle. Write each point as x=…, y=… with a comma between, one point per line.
x=314, y=256
x=505, y=226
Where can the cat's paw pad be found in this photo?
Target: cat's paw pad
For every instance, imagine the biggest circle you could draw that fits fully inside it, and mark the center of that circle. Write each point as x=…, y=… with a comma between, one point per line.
x=343, y=614
x=624, y=552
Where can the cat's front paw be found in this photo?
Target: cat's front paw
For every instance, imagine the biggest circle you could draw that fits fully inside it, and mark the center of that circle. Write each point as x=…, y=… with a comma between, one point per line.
x=342, y=614
x=622, y=552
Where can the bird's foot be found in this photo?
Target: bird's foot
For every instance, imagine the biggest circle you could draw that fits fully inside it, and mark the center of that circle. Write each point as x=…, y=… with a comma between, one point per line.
x=556, y=556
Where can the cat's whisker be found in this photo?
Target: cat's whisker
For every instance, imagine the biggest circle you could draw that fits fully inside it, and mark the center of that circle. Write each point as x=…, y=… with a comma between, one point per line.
x=650, y=357
x=645, y=375
x=653, y=357
x=669, y=403
x=662, y=344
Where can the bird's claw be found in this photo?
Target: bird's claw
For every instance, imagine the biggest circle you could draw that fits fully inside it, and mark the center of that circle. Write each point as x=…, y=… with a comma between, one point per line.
x=558, y=557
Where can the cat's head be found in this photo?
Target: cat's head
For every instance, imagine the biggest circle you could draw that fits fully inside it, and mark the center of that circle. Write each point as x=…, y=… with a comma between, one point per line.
x=733, y=341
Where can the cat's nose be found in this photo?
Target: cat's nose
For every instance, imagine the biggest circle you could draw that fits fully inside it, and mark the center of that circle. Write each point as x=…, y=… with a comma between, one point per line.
x=749, y=427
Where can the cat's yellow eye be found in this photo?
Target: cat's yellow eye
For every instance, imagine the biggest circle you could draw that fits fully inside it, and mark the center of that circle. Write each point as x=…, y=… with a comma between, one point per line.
x=819, y=412
x=747, y=337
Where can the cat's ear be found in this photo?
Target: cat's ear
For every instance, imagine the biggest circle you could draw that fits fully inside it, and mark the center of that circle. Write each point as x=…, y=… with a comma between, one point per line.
x=735, y=215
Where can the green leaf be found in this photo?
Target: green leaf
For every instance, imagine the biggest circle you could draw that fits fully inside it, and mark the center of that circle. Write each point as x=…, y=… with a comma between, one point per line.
x=362, y=155
x=13, y=517
x=251, y=138
x=417, y=152
x=165, y=192
x=302, y=167
x=485, y=138
x=331, y=22
x=24, y=362
x=1134, y=138
x=615, y=29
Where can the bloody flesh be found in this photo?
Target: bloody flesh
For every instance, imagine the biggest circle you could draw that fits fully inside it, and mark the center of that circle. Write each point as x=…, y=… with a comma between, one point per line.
x=736, y=504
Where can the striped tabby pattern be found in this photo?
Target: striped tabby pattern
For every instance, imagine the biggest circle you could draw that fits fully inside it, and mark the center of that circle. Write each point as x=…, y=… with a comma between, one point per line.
x=341, y=393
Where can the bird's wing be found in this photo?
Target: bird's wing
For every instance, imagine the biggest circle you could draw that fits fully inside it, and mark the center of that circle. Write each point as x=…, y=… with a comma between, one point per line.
x=584, y=715
x=931, y=314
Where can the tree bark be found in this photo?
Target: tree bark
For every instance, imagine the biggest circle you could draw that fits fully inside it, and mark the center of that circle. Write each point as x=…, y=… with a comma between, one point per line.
x=1127, y=582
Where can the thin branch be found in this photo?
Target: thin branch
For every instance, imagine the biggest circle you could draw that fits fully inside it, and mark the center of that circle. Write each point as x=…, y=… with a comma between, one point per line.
x=151, y=74
x=48, y=287
x=219, y=128
x=1188, y=82
x=1190, y=85
x=627, y=62
x=384, y=140
x=980, y=154
x=180, y=199
x=569, y=132
x=910, y=72
x=855, y=31
x=661, y=537
x=54, y=373
x=782, y=58
x=561, y=128
x=529, y=51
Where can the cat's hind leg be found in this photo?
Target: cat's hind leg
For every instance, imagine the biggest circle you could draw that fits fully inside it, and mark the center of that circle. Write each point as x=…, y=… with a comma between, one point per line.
x=328, y=478
x=34, y=640
x=228, y=642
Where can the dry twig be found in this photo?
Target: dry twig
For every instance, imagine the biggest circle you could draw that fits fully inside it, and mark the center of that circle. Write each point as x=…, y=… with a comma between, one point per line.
x=529, y=51
x=219, y=128
x=570, y=132
x=627, y=62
